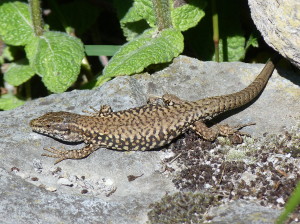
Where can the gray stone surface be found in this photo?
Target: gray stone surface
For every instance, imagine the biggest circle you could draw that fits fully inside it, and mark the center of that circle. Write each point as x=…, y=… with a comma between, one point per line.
x=23, y=202
x=279, y=23
x=41, y=193
x=243, y=212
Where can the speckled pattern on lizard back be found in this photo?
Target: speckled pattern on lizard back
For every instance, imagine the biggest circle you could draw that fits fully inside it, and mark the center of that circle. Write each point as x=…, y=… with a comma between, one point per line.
x=145, y=127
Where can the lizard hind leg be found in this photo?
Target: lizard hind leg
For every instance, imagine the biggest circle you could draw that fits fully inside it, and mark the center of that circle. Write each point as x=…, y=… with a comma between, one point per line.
x=213, y=132
x=63, y=154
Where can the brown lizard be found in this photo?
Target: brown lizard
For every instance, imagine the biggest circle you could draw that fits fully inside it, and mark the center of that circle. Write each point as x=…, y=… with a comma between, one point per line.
x=146, y=127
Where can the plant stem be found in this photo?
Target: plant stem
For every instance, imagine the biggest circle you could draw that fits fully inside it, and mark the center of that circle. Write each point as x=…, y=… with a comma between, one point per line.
x=162, y=13
x=27, y=90
x=215, y=21
x=36, y=16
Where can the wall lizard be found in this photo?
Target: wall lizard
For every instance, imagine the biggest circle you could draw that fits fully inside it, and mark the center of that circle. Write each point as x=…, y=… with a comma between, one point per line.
x=146, y=127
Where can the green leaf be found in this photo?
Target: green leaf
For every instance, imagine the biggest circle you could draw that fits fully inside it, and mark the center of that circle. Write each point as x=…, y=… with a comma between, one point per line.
x=133, y=23
x=7, y=54
x=57, y=58
x=252, y=41
x=188, y=15
x=232, y=48
x=144, y=8
x=183, y=17
x=15, y=23
x=151, y=47
x=18, y=73
x=9, y=102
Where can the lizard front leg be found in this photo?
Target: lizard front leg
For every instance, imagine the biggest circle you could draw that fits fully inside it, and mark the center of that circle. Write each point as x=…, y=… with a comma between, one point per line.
x=103, y=111
x=63, y=154
x=168, y=99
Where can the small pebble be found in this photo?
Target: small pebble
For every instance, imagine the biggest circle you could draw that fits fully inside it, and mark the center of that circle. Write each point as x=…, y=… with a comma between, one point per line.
x=64, y=181
x=51, y=188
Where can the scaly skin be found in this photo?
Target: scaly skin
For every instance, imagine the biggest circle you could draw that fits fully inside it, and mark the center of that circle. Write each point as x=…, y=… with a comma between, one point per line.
x=145, y=127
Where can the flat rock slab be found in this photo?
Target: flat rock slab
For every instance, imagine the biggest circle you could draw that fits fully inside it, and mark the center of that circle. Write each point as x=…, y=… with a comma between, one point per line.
x=117, y=187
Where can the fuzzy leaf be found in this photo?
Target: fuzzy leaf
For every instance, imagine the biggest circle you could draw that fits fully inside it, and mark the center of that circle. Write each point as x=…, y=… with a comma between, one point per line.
x=151, y=47
x=134, y=23
x=252, y=41
x=56, y=57
x=183, y=17
x=7, y=54
x=9, y=102
x=15, y=23
x=235, y=50
x=18, y=74
x=144, y=8
x=188, y=15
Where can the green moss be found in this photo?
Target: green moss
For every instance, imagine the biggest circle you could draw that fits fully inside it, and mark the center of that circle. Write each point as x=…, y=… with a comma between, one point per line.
x=181, y=207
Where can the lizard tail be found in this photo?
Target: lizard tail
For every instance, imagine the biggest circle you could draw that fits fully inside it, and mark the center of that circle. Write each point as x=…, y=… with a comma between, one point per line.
x=220, y=104
x=232, y=101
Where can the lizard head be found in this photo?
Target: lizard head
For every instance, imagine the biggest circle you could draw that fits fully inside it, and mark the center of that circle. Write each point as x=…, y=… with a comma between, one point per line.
x=60, y=125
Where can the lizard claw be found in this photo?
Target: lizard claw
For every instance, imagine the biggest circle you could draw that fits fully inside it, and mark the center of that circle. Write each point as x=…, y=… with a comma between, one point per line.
x=63, y=154
x=238, y=127
x=56, y=153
